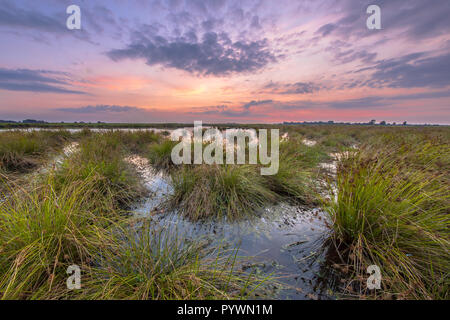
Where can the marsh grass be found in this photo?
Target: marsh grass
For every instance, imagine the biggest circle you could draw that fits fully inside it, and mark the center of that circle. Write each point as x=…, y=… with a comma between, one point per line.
x=159, y=155
x=297, y=171
x=42, y=233
x=396, y=217
x=239, y=191
x=139, y=142
x=22, y=151
x=219, y=190
x=100, y=158
x=391, y=210
x=146, y=262
x=73, y=215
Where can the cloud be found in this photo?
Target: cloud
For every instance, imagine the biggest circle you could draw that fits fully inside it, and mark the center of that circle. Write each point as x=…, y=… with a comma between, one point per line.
x=40, y=23
x=252, y=103
x=227, y=111
x=420, y=18
x=29, y=75
x=12, y=16
x=417, y=19
x=326, y=29
x=344, y=52
x=35, y=81
x=215, y=54
x=361, y=103
x=99, y=108
x=384, y=101
x=369, y=102
x=422, y=95
x=291, y=88
x=411, y=71
x=210, y=110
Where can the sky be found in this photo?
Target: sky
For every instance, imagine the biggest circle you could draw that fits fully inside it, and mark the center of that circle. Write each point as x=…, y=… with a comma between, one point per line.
x=260, y=61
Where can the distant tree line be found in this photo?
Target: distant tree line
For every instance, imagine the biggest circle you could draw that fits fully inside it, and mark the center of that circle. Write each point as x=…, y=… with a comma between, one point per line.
x=23, y=121
x=370, y=123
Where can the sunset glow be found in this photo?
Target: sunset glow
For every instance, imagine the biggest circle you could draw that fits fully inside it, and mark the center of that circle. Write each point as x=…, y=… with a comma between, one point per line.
x=225, y=61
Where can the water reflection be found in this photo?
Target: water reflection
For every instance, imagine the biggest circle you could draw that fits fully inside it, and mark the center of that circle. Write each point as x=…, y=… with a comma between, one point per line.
x=288, y=241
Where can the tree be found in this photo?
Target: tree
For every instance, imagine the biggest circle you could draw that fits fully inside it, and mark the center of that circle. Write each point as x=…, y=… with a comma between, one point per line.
x=404, y=123
x=383, y=123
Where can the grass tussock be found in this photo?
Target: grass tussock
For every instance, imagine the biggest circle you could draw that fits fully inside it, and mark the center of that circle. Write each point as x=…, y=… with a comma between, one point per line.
x=22, y=151
x=43, y=232
x=138, y=141
x=219, y=190
x=73, y=216
x=100, y=158
x=148, y=263
x=297, y=171
x=396, y=217
x=238, y=191
x=159, y=155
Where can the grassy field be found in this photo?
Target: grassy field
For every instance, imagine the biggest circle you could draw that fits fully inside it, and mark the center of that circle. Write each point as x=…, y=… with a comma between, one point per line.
x=77, y=214
x=391, y=209
x=21, y=151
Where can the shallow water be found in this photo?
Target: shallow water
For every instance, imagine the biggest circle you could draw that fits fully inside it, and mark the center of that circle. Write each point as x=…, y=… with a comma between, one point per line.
x=58, y=160
x=309, y=143
x=284, y=240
